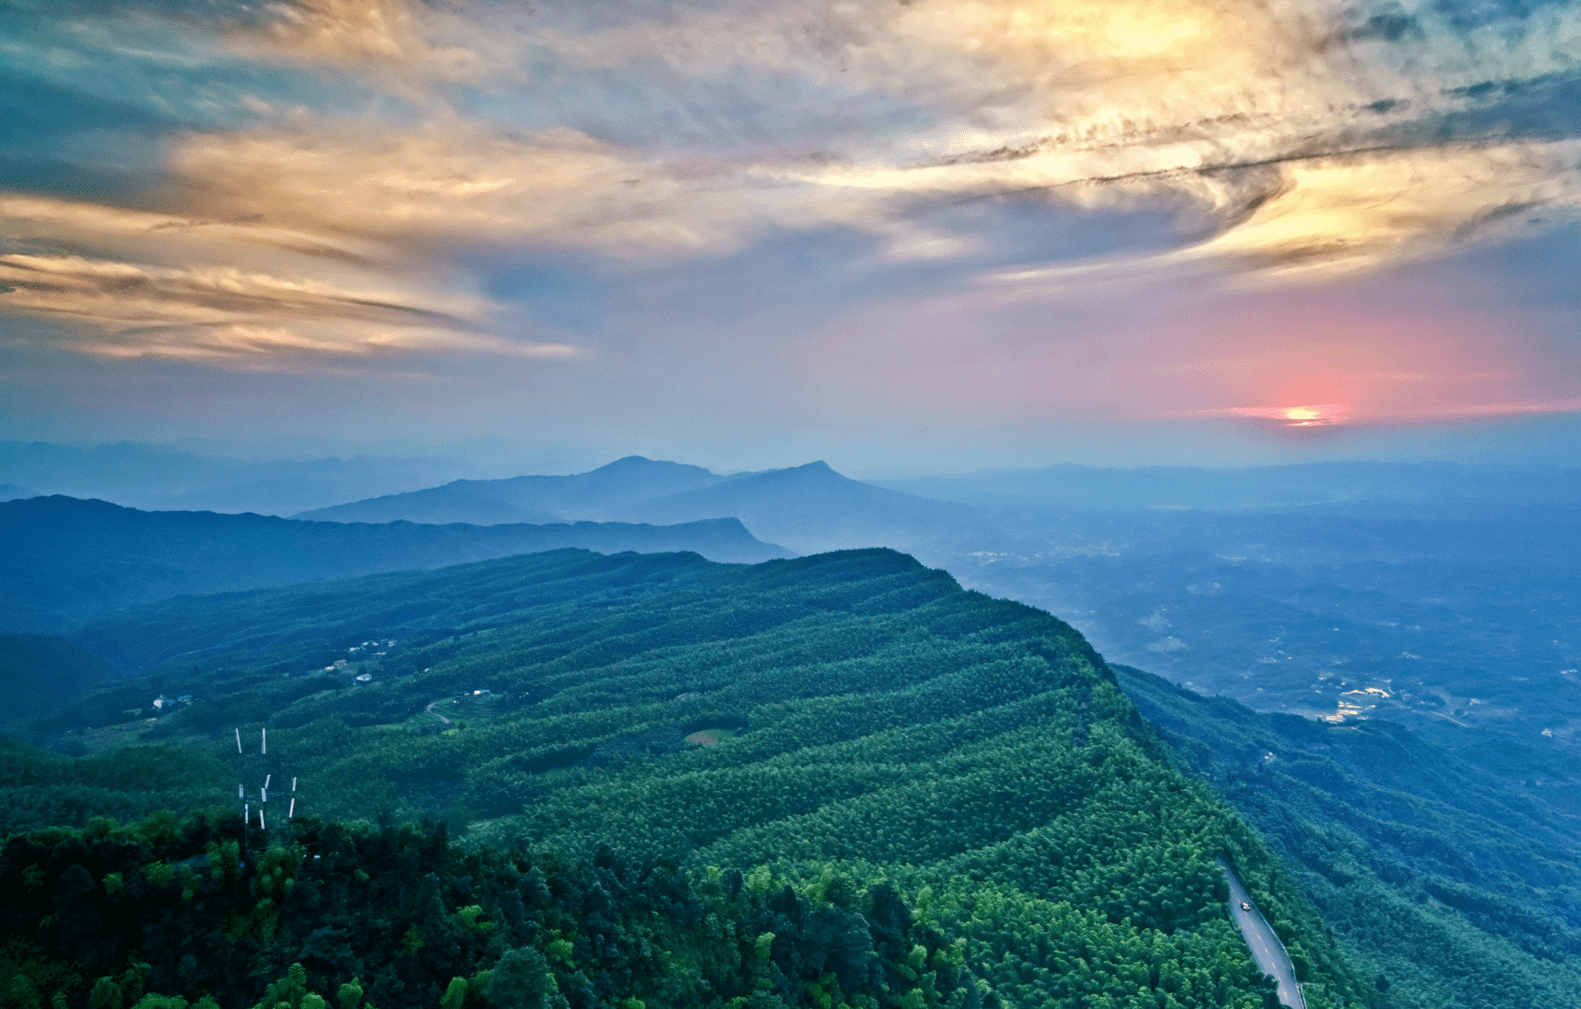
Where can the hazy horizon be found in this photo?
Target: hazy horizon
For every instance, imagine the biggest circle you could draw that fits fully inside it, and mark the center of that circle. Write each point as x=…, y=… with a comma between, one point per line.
x=1548, y=441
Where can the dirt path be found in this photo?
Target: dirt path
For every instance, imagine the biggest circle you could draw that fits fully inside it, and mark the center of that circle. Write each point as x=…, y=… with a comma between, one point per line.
x=431, y=711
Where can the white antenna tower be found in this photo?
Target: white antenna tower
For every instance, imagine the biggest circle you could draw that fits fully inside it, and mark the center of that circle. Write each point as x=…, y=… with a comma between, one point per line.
x=263, y=790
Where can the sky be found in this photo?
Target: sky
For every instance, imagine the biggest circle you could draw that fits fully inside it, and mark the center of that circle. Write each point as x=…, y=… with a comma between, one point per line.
x=907, y=236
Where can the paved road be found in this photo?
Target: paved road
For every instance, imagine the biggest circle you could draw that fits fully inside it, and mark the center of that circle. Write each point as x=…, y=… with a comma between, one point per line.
x=1267, y=950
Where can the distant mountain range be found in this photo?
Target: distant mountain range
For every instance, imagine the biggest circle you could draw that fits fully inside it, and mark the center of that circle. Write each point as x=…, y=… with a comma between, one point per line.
x=159, y=477
x=807, y=508
x=600, y=495
x=64, y=559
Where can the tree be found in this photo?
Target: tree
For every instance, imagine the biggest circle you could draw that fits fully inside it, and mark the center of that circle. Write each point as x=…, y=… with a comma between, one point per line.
x=521, y=980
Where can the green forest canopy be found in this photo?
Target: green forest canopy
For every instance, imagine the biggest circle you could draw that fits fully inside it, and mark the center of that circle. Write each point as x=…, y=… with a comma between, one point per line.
x=882, y=736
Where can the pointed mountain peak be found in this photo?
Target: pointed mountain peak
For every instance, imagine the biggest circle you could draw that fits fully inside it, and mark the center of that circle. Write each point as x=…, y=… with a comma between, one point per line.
x=812, y=474
x=819, y=470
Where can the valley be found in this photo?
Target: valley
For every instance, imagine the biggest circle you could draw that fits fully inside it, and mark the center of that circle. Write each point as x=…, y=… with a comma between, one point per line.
x=63, y=560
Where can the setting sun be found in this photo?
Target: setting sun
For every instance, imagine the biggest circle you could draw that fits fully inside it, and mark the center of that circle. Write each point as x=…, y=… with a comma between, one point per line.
x=1321, y=415
x=1314, y=416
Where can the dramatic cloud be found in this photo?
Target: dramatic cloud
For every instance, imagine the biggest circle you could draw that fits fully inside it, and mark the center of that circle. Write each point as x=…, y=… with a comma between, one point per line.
x=275, y=185
x=452, y=183
x=157, y=285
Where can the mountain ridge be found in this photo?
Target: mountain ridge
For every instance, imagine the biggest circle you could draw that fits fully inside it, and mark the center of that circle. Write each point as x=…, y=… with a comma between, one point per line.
x=809, y=508
x=849, y=715
x=64, y=559
x=482, y=502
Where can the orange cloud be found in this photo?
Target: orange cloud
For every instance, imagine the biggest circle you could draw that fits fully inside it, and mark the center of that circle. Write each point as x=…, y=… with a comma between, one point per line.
x=178, y=288
x=393, y=34
x=691, y=131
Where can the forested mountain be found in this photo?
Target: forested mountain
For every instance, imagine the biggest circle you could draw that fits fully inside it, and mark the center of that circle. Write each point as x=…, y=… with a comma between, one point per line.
x=874, y=789
x=807, y=508
x=62, y=559
x=1437, y=596
x=1459, y=891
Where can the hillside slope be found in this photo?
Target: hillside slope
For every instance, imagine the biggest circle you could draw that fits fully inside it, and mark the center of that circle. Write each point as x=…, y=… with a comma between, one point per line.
x=63, y=559
x=38, y=671
x=850, y=713
x=1459, y=893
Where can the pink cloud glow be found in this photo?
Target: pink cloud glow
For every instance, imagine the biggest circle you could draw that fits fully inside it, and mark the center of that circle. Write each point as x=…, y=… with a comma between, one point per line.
x=1295, y=359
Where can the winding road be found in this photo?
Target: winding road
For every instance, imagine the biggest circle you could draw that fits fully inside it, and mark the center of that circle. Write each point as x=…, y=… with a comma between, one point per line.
x=1267, y=950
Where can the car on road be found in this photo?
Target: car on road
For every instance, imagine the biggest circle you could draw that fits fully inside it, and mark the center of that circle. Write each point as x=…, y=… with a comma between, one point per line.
x=1245, y=906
